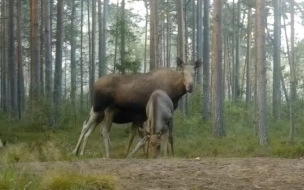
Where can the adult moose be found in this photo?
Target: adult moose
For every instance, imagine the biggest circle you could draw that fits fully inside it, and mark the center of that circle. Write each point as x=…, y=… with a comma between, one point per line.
x=130, y=94
x=159, y=111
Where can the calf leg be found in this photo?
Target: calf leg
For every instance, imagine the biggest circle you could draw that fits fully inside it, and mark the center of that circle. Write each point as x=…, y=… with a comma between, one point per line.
x=141, y=143
x=165, y=140
x=89, y=124
x=170, y=126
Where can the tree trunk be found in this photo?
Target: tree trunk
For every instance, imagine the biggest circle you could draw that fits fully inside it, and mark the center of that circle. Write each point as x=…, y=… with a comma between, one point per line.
x=90, y=57
x=20, y=79
x=41, y=56
x=122, y=35
x=237, y=55
x=4, y=76
x=292, y=74
x=12, y=60
x=93, y=48
x=153, y=34
x=58, y=62
x=206, y=63
x=146, y=36
x=48, y=58
x=217, y=82
x=168, y=37
x=181, y=44
x=276, y=103
x=261, y=72
x=200, y=39
x=81, y=59
x=248, y=70
x=35, y=66
x=102, y=35
x=73, y=55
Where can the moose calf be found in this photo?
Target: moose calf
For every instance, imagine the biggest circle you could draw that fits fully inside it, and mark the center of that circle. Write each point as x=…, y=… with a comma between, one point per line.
x=159, y=112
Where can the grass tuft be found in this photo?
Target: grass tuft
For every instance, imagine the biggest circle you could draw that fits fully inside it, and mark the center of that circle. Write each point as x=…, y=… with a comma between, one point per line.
x=62, y=180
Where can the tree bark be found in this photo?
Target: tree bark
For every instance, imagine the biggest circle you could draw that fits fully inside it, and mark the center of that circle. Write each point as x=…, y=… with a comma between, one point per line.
x=81, y=58
x=237, y=55
x=217, y=81
x=248, y=70
x=153, y=34
x=58, y=62
x=20, y=79
x=122, y=35
x=206, y=63
x=35, y=65
x=181, y=44
x=48, y=58
x=73, y=55
x=292, y=73
x=12, y=60
x=276, y=103
x=261, y=72
x=200, y=38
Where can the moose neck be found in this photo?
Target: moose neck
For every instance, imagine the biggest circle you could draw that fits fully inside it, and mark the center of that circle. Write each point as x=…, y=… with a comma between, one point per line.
x=178, y=86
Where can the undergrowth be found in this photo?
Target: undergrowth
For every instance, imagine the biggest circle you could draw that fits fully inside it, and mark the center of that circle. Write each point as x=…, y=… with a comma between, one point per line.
x=192, y=137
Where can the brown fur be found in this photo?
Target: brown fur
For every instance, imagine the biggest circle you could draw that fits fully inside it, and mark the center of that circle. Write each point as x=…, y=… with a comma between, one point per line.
x=132, y=92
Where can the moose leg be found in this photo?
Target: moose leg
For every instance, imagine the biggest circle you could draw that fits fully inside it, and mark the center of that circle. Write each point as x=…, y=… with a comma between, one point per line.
x=106, y=130
x=131, y=136
x=141, y=143
x=90, y=122
x=170, y=126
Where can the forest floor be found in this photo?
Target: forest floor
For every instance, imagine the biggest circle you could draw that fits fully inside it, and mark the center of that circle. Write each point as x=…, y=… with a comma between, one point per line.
x=177, y=173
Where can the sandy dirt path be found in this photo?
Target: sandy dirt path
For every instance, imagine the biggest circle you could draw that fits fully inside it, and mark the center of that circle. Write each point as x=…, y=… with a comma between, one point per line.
x=180, y=174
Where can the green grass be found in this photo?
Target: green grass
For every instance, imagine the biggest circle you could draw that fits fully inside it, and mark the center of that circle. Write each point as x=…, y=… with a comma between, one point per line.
x=192, y=137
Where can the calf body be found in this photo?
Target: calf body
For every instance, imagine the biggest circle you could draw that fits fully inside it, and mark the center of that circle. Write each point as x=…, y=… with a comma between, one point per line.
x=159, y=112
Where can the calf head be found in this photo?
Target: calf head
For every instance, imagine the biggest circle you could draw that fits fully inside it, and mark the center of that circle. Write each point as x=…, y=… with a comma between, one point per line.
x=188, y=72
x=153, y=142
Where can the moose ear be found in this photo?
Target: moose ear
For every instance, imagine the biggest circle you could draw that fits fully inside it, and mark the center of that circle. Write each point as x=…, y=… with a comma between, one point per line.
x=198, y=63
x=180, y=63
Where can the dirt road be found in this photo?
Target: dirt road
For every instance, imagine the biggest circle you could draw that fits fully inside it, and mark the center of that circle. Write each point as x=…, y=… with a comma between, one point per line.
x=179, y=174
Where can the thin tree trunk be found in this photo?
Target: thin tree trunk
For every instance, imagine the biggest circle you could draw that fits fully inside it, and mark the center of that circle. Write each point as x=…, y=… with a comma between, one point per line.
x=35, y=66
x=73, y=55
x=200, y=39
x=217, y=81
x=122, y=42
x=261, y=72
x=292, y=74
x=146, y=36
x=276, y=103
x=206, y=65
x=93, y=47
x=41, y=47
x=248, y=90
x=58, y=62
x=48, y=58
x=81, y=58
x=20, y=82
x=12, y=60
x=90, y=57
x=237, y=54
x=153, y=34
x=168, y=37
x=181, y=44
